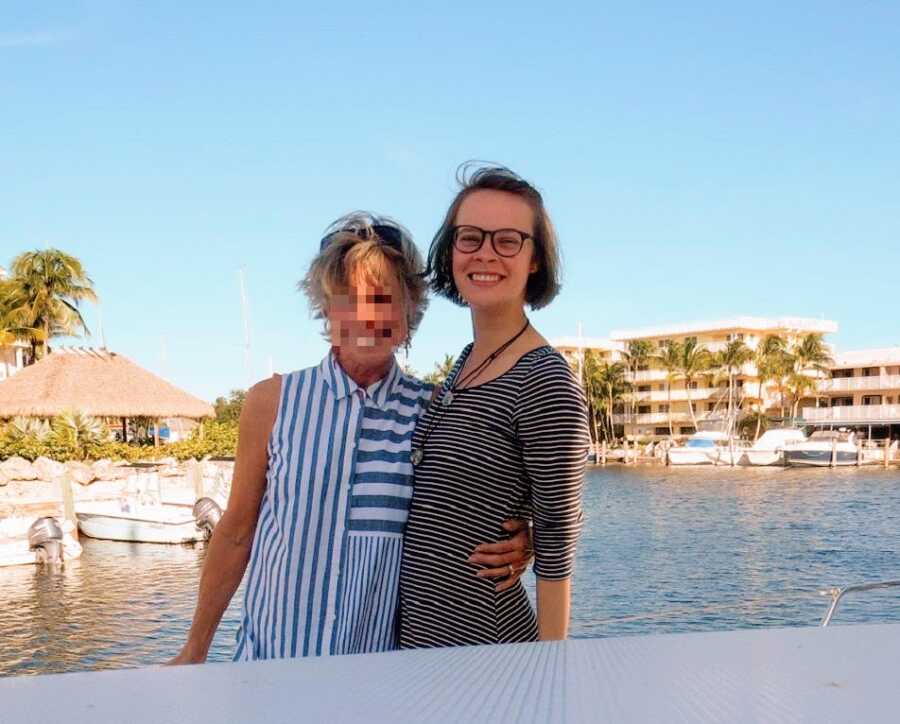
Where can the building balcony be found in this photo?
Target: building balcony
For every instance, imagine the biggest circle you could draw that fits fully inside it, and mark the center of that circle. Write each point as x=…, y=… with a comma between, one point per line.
x=853, y=414
x=702, y=393
x=853, y=384
x=652, y=418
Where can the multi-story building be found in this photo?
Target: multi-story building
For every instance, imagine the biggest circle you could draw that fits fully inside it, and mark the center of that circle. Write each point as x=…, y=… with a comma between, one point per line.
x=13, y=358
x=862, y=392
x=14, y=355
x=708, y=395
x=573, y=348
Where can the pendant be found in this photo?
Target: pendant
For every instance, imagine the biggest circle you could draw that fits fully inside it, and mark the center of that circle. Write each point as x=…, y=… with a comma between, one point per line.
x=447, y=399
x=416, y=456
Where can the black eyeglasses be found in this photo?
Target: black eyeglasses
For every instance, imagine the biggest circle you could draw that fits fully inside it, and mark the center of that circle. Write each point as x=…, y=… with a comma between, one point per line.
x=506, y=242
x=388, y=235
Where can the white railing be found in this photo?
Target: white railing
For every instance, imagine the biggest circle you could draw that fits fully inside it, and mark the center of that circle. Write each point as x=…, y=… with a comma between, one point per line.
x=850, y=384
x=650, y=376
x=651, y=418
x=852, y=413
x=701, y=393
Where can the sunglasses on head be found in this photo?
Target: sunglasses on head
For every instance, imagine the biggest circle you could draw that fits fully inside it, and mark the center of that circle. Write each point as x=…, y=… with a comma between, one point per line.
x=388, y=235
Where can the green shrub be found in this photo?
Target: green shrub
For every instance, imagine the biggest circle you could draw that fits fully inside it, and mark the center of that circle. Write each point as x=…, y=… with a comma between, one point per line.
x=218, y=439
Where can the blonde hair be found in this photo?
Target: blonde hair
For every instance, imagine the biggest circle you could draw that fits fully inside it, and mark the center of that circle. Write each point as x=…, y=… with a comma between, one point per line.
x=353, y=250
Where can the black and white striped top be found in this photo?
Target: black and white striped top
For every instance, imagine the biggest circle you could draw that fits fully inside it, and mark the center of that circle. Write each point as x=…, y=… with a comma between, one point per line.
x=512, y=447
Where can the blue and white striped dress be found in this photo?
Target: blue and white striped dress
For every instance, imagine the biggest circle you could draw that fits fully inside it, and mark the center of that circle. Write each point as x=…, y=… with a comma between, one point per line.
x=325, y=563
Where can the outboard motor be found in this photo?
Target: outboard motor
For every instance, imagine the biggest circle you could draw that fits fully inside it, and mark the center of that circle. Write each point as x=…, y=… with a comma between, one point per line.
x=207, y=515
x=45, y=538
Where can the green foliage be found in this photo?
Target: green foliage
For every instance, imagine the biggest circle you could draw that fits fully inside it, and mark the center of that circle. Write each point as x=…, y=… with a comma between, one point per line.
x=41, y=298
x=441, y=370
x=228, y=409
x=80, y=439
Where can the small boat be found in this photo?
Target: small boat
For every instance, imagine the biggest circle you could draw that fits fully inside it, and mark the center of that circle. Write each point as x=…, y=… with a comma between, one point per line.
x=127, y=520
x=702, y=448
x=825, y=448
x=25, y=541
x=769, y=449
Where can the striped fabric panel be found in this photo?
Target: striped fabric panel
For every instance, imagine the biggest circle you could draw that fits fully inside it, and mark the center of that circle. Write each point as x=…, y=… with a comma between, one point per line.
x=370, y=591
x=383, y=480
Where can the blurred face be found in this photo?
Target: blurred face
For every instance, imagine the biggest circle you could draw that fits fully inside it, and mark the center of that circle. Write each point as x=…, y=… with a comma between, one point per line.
x=484, y=277
x=368, y=321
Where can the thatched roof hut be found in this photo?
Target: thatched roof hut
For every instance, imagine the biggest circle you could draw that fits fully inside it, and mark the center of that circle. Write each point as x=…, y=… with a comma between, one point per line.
x=98, y=383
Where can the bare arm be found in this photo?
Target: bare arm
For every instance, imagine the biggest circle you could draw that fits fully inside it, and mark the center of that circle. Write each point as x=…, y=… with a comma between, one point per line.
x=229, y=547
x=553, y=599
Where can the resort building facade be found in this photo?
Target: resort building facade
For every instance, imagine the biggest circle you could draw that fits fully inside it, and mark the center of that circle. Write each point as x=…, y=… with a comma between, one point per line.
x=862, y=391
x=13, y=357
x=658, y=397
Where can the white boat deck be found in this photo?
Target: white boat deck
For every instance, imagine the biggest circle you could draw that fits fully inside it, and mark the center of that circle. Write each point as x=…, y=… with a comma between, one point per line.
x=836, y=674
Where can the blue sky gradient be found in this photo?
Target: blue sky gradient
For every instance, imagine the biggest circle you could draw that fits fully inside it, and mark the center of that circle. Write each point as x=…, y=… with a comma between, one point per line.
x=699, y=161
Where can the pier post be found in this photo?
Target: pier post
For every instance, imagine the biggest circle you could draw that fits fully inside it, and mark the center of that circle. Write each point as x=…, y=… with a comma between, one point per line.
x=68, y=501
x=859, y=454
x=625, y=451
x=833, y=452
x=731, y=448
x=195, y=475
x=887, y=450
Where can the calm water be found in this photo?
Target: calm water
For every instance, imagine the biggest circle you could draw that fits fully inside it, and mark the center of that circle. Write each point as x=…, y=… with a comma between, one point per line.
x=664, y=550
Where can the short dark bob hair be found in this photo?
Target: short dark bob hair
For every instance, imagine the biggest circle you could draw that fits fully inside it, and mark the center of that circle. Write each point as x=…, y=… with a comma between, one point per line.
x=544, y=284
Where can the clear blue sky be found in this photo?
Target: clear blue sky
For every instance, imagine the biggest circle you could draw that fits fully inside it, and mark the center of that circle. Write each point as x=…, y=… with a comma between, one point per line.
x=700, y=160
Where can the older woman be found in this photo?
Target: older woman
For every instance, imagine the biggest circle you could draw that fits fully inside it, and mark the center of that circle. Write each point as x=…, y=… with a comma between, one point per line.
x=323, y=479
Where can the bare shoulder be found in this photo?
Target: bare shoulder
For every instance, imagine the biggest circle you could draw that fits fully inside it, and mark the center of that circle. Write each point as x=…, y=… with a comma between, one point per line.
x=261, y=403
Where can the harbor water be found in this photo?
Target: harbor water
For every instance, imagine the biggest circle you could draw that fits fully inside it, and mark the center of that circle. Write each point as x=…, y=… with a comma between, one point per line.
x=663, y=550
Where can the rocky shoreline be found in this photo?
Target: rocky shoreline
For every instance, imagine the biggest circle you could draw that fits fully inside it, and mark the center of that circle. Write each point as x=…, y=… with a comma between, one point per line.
x=33, y=487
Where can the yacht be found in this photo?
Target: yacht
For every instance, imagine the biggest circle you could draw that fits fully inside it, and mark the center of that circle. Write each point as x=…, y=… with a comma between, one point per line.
x=769, y=449
x=826, y=448
x=701, y=448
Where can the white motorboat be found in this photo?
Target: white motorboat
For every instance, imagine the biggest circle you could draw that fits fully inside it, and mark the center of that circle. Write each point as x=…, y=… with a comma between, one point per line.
x=769, y=448
x=25, y=541
x=826, y=448
x=702, y=448
x=136, y=522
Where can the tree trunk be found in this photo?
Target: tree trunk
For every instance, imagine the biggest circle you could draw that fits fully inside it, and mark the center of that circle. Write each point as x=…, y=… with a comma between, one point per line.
x=669, y=408
x=687, y=391
x=760, y=412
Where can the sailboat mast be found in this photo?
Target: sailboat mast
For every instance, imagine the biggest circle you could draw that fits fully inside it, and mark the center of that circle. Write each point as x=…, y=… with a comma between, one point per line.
x=245, y=316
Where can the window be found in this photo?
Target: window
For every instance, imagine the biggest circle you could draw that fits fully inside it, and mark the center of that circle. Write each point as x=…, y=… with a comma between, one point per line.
x=661, y=431
x=686, y=430
x=663, y=408
x=689, y=340
x=643, y=409
x=710, y=406
x=841, y=373
x=870, y=372
x=695, y=385
x=871, y=399
x=842, y=402
x=643, y=388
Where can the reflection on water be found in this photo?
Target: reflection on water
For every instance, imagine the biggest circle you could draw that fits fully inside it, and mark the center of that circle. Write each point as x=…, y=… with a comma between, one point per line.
x=663, y=550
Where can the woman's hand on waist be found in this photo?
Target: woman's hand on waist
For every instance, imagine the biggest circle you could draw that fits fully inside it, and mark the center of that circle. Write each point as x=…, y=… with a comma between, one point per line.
x=508, y=559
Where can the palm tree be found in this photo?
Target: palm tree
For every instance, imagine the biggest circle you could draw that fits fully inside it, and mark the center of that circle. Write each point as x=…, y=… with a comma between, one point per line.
x=730, y=360
x=770, y=365
x=612, y=380
x=669, y=358
x=593, y=392
x=637, y=354
x=42, y=296
x=811, y=357
x=441, y=371
x=694, y=359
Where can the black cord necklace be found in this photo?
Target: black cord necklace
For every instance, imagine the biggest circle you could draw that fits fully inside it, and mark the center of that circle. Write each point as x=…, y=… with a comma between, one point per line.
x=456, y=388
